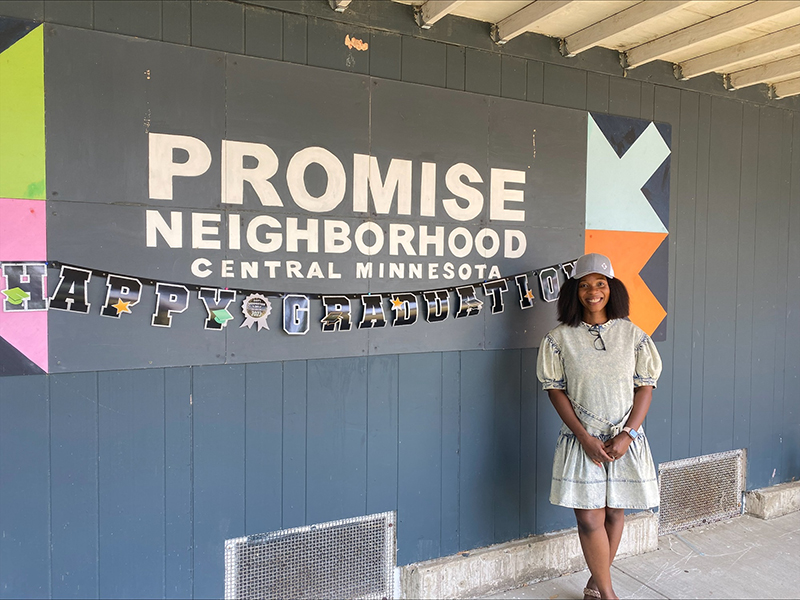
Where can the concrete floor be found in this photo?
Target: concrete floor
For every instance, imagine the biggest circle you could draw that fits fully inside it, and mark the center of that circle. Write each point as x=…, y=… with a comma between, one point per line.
x=744, y=557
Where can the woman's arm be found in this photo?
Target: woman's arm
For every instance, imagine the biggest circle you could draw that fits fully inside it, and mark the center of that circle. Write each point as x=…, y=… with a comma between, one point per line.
x=618, y=445
x=591, y=445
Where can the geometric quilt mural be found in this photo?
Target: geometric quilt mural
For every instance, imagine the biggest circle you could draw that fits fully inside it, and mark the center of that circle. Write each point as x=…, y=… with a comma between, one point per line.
x=627, y=210
x=23, y=333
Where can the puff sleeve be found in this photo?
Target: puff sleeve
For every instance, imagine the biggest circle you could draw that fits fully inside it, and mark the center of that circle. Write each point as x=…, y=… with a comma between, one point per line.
x=549, y=366
x=648, y=363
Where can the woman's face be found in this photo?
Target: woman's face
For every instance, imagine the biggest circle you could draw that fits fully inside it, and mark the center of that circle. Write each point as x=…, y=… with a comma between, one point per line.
x=593, y=293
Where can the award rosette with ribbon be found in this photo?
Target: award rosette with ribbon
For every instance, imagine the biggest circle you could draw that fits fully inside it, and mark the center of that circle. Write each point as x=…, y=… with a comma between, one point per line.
x=256, y=309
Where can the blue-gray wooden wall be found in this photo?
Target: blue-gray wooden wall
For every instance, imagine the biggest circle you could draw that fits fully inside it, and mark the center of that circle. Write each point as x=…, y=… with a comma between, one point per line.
x=125, y=484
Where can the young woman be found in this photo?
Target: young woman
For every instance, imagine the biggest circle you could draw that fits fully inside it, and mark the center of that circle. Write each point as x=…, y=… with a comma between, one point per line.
x=599, y=370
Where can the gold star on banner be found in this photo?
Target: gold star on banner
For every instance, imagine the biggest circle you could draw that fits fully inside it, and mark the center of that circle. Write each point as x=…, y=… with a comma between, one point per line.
x=122, y=307
x=397, y=304
x=529, y=295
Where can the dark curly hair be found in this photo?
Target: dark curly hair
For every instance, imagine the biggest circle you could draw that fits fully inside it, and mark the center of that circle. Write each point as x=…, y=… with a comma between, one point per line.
x=570, y=309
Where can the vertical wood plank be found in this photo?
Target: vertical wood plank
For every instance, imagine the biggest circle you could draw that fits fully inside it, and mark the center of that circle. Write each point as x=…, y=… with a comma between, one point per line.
x=336, y=463
x=790, y=459
x=745, y=294
x=73, y=485
x=425, y=61
x=513, y=78
x=761, y=457
x=219, y=467
x=548, y=516
x=782, y=302
x=647, y=109
x=528, y=466
x=451, y=452
x=597, y=92
x=683, y=236
x=178, y=511
x=698, y=284
x=535, y=81
x=720, y=280
x=667, y=109
x=295, y=38
x=419, y=459
x=382, y=390
x=25, y=490
x=564, y=86
x=385, y=51
x=624, y=97
x=294, y=444
x=506, y=394
x=455, y=67
x=483, y=70
x=477, y=460
x=131, y=476
x=264, y=440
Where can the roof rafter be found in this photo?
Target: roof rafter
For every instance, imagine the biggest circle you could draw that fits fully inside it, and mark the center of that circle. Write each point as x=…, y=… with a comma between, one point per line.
x=339, y=5
x=746, y=16
x=724, y=59
x=780, y=69
x=596, y=34
x=433, y=10
x=786, y=88
x=523, y=19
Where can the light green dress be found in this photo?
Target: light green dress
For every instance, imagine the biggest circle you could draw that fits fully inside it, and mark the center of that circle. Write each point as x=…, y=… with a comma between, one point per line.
x=600, y=385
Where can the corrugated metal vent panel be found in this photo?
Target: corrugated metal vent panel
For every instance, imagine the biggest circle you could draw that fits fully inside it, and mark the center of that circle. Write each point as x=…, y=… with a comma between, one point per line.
x=352, y=558
x=700, y=490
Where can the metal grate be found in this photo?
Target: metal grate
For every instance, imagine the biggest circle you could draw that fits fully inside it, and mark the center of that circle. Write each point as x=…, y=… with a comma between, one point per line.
x=700, y=490
x=351, y=558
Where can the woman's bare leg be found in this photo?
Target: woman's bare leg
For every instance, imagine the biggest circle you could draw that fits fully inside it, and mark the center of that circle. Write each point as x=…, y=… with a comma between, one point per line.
x=596, y=547
x=615, y=523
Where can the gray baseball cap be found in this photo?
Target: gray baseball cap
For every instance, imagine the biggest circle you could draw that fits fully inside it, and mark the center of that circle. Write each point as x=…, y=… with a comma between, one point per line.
x=593, y=263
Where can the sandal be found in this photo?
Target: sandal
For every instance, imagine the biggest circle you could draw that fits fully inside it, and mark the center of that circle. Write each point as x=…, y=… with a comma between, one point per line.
x=587, y=591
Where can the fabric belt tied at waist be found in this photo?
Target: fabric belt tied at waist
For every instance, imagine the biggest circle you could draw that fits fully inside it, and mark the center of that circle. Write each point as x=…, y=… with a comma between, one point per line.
x=615, y=428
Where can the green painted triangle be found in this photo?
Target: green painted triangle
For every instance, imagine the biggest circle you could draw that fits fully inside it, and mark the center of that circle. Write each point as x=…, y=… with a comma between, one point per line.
x=22, y=146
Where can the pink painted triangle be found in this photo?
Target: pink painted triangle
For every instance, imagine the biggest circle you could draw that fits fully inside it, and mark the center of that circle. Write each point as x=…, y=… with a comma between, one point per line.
x=27, y=332
x=23, y=237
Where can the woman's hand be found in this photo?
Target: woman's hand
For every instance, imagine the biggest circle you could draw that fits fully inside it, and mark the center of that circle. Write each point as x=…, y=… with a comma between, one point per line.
x=617, y=446
x=595, y=450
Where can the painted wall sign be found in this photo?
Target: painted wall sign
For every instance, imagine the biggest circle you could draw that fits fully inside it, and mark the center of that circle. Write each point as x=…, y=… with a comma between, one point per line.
x=186, y=185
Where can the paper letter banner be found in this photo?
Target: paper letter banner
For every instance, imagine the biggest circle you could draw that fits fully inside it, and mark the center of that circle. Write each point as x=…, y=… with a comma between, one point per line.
x=123, y=294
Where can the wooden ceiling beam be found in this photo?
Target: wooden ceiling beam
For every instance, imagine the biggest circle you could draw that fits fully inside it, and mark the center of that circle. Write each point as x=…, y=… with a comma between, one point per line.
x=780, y=69
x=784, y=89
x=522, y=20
x=433, y=10
x=339, y=5
x=636, y=15
x=723, y=60
x=746, y=16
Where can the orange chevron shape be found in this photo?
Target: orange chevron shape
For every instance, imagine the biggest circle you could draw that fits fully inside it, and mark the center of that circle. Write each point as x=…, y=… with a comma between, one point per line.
x=629, y=252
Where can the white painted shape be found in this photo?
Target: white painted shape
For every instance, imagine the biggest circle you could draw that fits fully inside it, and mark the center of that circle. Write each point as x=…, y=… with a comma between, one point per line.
x=614, y=200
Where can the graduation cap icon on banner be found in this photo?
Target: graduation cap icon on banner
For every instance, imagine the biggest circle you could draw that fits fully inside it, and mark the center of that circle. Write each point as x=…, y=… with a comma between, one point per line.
x=16, y=295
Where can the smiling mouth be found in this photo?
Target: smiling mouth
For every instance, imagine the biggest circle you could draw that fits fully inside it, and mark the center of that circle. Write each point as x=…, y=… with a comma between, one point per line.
x=593, y=300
